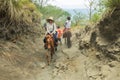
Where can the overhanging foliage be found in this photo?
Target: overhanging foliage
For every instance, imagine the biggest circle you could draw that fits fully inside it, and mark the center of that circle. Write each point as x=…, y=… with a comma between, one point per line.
x=17, y=17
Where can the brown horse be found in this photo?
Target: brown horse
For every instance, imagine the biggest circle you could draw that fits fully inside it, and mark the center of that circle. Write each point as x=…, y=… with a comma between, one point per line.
x=50, y=48
x=67, y=35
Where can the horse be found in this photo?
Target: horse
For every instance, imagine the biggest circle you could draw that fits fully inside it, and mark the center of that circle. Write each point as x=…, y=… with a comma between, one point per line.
x=67, y=35
x=50, y=48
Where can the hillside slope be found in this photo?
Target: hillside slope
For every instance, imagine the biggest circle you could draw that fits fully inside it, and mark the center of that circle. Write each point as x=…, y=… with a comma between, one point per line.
x=104, y=36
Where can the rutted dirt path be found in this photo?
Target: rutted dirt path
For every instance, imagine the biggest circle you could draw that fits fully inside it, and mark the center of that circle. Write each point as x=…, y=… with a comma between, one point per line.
x=73, y=64
x=68, y=64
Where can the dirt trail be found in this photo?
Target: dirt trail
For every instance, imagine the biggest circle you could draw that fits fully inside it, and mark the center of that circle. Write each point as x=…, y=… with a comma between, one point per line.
x=68, y=64
x=73, y=64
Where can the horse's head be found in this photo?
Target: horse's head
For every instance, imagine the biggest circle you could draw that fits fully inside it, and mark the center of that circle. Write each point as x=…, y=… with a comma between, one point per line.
x=49, y=40
x=49, y=37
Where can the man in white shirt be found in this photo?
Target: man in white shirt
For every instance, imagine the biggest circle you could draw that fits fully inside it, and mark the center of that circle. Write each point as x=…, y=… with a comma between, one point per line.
x=67, y=24
x=66, y=32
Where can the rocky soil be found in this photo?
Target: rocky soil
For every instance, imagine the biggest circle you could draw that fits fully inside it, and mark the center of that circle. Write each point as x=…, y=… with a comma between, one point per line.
x=68, y=63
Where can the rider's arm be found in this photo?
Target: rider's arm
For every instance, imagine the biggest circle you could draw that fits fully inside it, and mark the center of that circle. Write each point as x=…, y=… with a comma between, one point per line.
x=47, y=28
x=65, y=25
x=54, y=31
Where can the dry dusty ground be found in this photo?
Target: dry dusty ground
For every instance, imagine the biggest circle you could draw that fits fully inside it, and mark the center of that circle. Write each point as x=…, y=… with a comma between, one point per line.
x=73, y=64
x=68, y=64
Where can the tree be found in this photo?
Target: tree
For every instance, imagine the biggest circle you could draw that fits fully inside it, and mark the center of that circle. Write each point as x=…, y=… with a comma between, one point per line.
x=95, y=17
x=78, y=16
x=95, y=9
x=91, y=7
x=98, y=12
x=58, y=13
x=41, y=3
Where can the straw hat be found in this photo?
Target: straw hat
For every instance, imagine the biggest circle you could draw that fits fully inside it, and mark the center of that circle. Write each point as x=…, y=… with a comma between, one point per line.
x=50, y=18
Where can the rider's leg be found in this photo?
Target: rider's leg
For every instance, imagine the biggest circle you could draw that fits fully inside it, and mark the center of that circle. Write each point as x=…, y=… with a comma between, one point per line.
x=44, y=40
x=60, y=41
x=55, y=41
x=45, y=45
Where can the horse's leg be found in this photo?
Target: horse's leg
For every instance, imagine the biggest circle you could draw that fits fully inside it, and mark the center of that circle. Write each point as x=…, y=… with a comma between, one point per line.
x=51, y=54
x=48, y=57
x=52, y=50
x=66, y=37
x=65, y=41
x=68, y=42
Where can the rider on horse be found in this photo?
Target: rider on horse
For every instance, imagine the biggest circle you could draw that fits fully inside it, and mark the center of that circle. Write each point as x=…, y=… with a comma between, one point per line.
x=67, y=24
x=51, y=30
x=67, y=33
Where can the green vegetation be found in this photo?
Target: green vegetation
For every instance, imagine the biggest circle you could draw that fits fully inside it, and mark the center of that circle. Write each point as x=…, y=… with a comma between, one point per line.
x=112, y=3
x=50, y=10
x=98, y=8
x=17, y=17
x=78, y=18
x=104, y=7
x=58, y=13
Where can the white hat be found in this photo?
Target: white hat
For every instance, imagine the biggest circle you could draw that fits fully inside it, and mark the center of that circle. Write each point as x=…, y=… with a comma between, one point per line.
x=50, y=18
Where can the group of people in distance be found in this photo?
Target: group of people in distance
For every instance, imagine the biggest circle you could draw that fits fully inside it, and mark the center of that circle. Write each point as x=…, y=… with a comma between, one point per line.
x=55, y=31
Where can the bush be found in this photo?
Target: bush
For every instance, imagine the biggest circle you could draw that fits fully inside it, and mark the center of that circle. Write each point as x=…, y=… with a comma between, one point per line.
x=17, y=17
x=112, y=3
